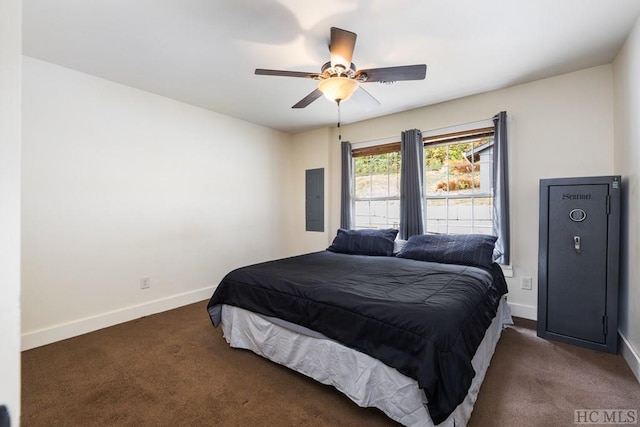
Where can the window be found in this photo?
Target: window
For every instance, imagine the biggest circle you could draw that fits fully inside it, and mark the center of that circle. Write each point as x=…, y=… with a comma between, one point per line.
x=458, y=182
x=377, y=186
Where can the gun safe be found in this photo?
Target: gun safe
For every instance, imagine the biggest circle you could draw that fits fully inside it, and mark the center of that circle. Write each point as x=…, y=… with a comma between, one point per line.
x=578, y=261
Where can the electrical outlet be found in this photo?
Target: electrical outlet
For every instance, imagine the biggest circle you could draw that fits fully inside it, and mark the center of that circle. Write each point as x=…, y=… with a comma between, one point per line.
x=526, y=283
x=145, y=282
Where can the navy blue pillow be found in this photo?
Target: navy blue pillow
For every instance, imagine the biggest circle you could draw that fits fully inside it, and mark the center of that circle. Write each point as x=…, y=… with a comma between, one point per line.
x=466, y=249
x=364, y=242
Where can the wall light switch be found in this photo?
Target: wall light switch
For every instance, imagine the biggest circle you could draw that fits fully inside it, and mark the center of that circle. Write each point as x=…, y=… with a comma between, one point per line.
x=145, y=282
x=526, y=283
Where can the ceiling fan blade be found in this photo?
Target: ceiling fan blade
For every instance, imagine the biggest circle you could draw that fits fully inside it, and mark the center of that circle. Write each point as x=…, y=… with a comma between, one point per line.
x=263, y=72
x=394, y=74
x=365, y=99
x=342, y=44
x=308, y=99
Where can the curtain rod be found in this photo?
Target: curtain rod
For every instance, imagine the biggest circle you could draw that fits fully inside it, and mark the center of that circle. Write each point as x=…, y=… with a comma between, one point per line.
x=397, y=136
x=459, y=125
x=372, y=141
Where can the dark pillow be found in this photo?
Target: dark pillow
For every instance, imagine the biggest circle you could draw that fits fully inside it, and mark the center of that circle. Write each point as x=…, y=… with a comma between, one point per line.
x=364, y=242
x=465, y=249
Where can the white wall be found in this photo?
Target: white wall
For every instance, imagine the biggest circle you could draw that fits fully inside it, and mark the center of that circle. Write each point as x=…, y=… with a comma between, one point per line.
x=10, y=63
x=119, y=183
x=558, y=127
x=627, y=163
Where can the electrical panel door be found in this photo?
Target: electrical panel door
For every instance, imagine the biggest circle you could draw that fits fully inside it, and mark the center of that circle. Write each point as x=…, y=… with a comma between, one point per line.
x=314, y=199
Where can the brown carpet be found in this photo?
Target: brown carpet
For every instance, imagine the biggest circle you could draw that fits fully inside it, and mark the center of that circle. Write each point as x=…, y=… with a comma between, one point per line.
x=175, y=369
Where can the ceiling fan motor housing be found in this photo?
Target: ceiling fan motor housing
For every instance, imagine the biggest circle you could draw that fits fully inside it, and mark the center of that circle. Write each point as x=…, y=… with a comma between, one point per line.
x=328, y=71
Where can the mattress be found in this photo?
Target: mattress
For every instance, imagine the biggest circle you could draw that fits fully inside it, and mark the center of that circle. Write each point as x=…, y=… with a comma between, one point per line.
x=365, y=380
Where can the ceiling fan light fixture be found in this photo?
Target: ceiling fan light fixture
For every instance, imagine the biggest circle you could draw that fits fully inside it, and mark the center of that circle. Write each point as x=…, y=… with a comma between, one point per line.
x=338, y=88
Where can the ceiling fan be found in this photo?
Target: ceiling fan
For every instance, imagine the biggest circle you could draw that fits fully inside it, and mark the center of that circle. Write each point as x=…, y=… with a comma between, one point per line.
x=339, y=78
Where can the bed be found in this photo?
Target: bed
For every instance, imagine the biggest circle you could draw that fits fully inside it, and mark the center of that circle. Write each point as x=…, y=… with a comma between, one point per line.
x=410, y=333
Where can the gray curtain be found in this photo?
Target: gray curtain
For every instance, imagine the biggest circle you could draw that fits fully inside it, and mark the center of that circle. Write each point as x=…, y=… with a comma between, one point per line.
x=411, y=181
x=501, y=187
x=346, y=211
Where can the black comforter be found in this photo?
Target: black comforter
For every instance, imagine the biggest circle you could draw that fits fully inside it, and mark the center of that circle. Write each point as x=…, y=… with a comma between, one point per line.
x=424, y=319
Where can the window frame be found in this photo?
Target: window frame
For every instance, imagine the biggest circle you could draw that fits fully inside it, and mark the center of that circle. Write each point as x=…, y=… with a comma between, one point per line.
x=429, y=141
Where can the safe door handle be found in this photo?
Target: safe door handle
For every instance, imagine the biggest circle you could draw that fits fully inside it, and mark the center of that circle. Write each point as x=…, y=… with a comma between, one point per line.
x=576, y=243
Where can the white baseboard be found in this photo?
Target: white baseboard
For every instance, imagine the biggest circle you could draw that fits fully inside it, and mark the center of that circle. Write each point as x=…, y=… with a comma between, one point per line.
x=630, y=355
x=524, y=311
x=89, y=324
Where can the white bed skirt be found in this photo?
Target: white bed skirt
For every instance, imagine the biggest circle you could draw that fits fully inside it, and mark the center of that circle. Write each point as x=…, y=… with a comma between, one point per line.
x=364, y=379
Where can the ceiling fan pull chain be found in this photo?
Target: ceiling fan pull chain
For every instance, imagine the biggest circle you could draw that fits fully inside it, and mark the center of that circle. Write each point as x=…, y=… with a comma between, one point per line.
x=339, y=131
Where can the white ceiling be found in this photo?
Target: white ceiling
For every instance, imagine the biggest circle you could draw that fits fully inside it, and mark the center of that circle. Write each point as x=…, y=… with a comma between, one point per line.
x=204, y=52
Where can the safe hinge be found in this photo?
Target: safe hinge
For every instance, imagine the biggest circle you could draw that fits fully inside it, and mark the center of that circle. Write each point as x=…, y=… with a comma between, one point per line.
x=608, y=204
x=605, y=324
